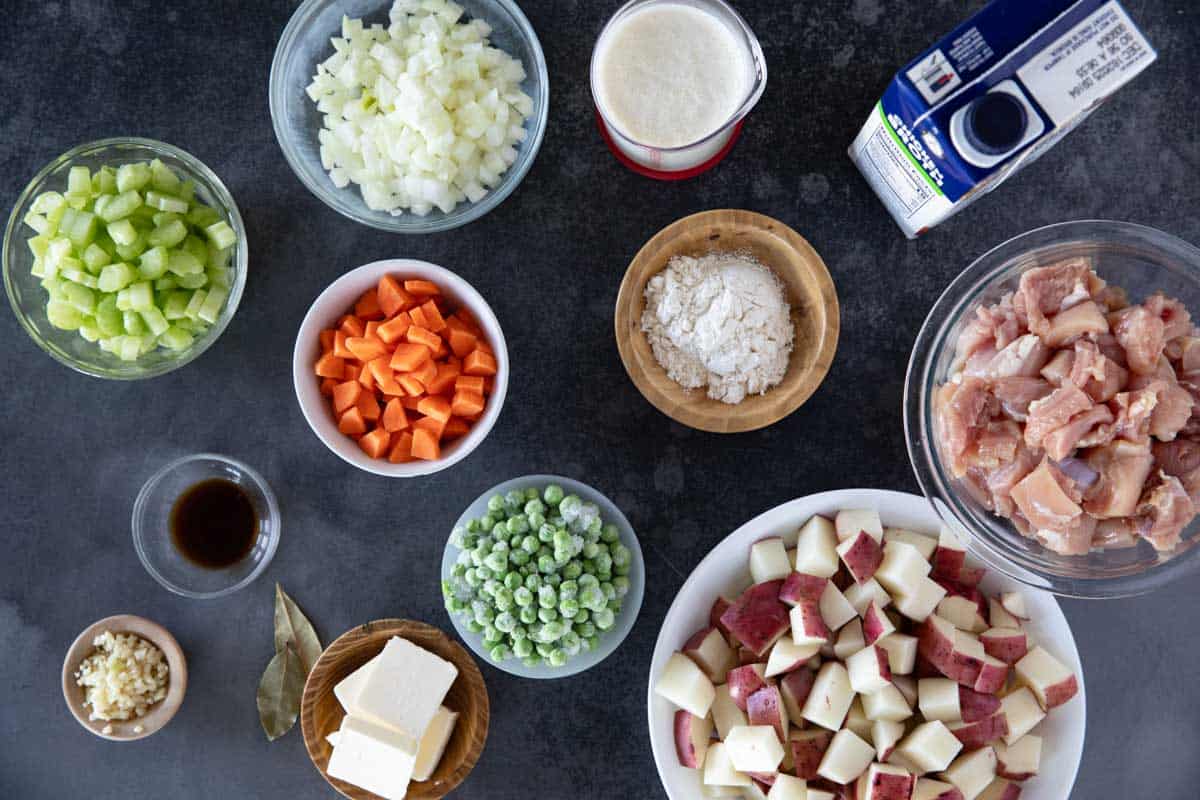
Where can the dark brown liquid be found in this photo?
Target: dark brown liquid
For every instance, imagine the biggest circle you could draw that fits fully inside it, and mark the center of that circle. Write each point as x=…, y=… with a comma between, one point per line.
x=213, y=524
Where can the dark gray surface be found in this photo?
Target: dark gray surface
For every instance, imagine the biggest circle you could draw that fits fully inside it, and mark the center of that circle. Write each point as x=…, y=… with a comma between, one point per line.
x=357, y=547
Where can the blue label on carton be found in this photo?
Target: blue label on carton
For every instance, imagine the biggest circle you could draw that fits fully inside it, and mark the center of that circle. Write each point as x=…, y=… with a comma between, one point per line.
x=989, y=98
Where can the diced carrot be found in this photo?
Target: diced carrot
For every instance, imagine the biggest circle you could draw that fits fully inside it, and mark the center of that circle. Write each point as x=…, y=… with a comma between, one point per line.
x=479, y=363
x=352, y=326
x=364, y=348
x=392, y=388
x=366, y=379
x=444, y=382
x=392, y=298
x=408, y=356
x=470, y=383
x=345, y=395
x=425, y=445
x=351, y=422
x=350, y=372
x=425, y=373
x=339, y=345
x=368, y=406
x=327, y=340
x=418, y=335
x=411, y=386
x=417, y=315
x=455, y=427
x=462, y=342
x=376, y=443
x=456, y=324
x=393, y=330
x=484, y=347
x=466, y=404
x=401, y=448
x=489, y=384
x=433, y=317
x=394, y=417
x=435, y=407
x=410, y=402
x=468, y=319
x=327, y=385
x=367, y=306
x=379, y=369
x=421, y=288
x=330, y=366
x=431, y=424
x=371, y=327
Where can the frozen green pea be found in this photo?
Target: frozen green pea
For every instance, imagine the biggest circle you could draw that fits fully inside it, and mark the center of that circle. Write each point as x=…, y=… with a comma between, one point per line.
x=458, y=570
x=585, y=629
x=568, y=590
x=512, y=581
x=546, y=564
x=472, y=526
x=569, y=506
x=491, y=635
x=589, y=566
x=536, y=521
x=535, y=506
x=587, y=579
x=604, y=619
x=457, y=535
x=593, y=643
x=609, y=591
x=519, y=557
x=568, y=607
x=455, y=606
x=484, y=614
x=486, y=523
x=501, y=546
x=517, y=524
x=547, y=614
x=472, y=578
x=532, y=582
x=495, y=503
x=557, y=657
x=484, y=571
x=583, y=616
x=552, y=580
x=530, y=544
x=523, y=648
x=571, y=643
x=522, y=596
x=572, y=570
x=532, y=661
x=503, y=598
x=513, y=501
x=553, y=631
x=544, y=649
x=505, y=622
x=609, y=533
x=553, y=494
x=500, y=652
x=472, y=626
x=527, y=615
x=490, y=586
x=590, y=550
x=595, y=528
x=603, y=561
x=497, y=562
x=547, y=597
x=622, y=570
x=621, y=585
x=546, y=533
x=614, y=605
x=531, y=494
x=592, y=598
x=518, y=632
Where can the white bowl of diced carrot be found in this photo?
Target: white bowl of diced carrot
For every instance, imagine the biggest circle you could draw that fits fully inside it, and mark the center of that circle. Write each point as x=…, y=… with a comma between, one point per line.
x=400, y=368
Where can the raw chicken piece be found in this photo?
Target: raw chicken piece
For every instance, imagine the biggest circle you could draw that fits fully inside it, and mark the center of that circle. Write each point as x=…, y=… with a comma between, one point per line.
x=1095, y=373
x=1113, y=534
x=1044, y=502
x=1113, y=298
x=1074, y=323
x=1164, y=512
x=1058, y=369
x=1178, y=457
x=1000, y=482
x=1051, y=413
x=1140, y=333
x=1188, y=348
x=1111, y=349
x=993, y=327
x=1173, y=411
x=1074, y=541
x=962, y=410
x=1048, y=290
x=1123, y=467
x=996, y=445
x=1023, y=357
x=1088, y=429
x=1176, y=319
x=1016, y=393
x=1134, y=410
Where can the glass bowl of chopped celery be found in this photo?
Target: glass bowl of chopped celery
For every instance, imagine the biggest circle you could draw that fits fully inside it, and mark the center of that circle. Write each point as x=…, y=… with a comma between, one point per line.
x=580, y=571
x=417, y=122
x=125, y=258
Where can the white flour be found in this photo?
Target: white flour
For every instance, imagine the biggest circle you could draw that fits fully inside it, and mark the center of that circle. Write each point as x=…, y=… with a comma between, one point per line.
x=720, y=320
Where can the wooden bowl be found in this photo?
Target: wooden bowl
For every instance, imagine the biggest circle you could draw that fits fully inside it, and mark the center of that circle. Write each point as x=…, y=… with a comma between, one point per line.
x=810, y=292
x=321, y=713
x=161, y=712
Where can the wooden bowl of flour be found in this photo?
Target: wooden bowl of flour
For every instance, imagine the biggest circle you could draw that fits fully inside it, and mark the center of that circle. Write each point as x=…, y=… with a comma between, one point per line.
x=810, y=293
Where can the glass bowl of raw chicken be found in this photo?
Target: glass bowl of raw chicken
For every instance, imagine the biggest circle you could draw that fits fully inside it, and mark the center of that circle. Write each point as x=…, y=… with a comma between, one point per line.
x=1052, y=408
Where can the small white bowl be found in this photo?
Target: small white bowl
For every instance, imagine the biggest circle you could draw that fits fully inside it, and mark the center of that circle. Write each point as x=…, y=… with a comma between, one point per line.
x=725, y=571
x=336, y=301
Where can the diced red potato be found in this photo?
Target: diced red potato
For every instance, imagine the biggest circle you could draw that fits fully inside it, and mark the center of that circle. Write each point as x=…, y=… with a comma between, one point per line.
x=719, y=606
x=886, y=704
x=857, y=719
x=847, y=757
x=963, y=613
x=886, y=782
x=980, y=732
x=972, y=771
x=975, y=705
x=1051, y=682
x=1000, y=789
x=907, y=686
x=808, y=626
x=830, y=697
x=787, y=656
x=808, y=748
x=850, y=640
x=929, y=789
x=919, y=602
x=835, y=608
x=885, y=735
x=769, y=560
x=692, y=736
x=725, y=713
x=744, y=681
x=685, y=684
x=719, y=769
x=1022, y=712
x=993, y=674
x=1000, y=617
x=1006, y=644
x=902, y=653
x=862, y=555
x=754, y=748
x=799, y=587
x=787, y=787
x=876, y=624
x=861, y=595
x=795, y=687
x=930, y=747
x=766, y=707
x=816, y=548
x=922, y=543
x=757, y=618
x=868, y=670
x=1021, y=760
x=849, y=522
x=902, y=566
x=939, y=699
x=708, y=648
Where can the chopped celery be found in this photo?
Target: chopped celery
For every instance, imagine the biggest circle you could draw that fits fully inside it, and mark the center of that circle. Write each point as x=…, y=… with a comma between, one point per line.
x=108, y=318
x=193, y=307
x=94, y=258
x=184, y=263
x=89, y=330
x=163, y=217
x=122, y=232
x=46, y=202
x=176, y=338
x=186, y=191
x=220, y=276
x=221, y=235
x=194, y=281
x=165, y=283
x=130, y=348
x=153, y=263
x=210, y=309
x=203, y=216
x=131, y=177
x=80, y=297
x=162, y=177
x=164, y=202
x=104, y=181
x=79, y=227
x=155, y=321
x=38, y=246
x=79, y=276
x=141, y=296
x=37, y=221
x=175, y=306
x=128, y=252
x=168, y=234
x=196, y=246
x=132, y=322
x=115, y=277
x=63, y=315
x=118, y=206
x=79, y=181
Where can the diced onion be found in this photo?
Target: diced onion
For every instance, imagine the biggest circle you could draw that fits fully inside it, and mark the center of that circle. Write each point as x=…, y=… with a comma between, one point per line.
x=422, y=114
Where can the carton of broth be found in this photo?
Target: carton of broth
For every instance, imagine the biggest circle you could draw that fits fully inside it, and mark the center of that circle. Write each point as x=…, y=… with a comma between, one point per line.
x=989, y=98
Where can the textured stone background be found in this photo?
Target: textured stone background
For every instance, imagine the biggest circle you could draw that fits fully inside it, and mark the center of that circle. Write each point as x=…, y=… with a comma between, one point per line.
x=358, y=547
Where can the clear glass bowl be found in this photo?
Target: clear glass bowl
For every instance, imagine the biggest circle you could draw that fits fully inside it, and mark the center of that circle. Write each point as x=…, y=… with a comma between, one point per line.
x=28, y=298
x=152, y=534
x=305, y=43
x=1139, y=259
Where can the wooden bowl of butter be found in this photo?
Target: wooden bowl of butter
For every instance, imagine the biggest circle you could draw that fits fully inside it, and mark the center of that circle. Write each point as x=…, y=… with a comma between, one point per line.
x=754, y=241
x=394, y=709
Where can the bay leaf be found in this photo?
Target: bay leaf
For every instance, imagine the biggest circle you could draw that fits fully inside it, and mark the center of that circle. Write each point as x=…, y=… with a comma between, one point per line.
x=293, y=628
x=279, y=693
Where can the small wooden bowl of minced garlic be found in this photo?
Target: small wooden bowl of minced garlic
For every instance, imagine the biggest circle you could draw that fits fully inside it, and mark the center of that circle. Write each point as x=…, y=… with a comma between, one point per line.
x=727, y=321
x=124, y=678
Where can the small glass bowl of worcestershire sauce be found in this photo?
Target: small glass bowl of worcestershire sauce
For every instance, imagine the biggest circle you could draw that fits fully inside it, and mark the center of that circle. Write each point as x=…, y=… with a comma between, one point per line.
x=205, y=525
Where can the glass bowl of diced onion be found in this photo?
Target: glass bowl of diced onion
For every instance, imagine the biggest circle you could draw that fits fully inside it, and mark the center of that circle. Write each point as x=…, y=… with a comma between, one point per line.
x=308, y=41
x=1140, y=260
x=29, y=296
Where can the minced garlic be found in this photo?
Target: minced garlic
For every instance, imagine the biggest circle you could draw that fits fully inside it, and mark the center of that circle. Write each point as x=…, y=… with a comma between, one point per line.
x=123, y=678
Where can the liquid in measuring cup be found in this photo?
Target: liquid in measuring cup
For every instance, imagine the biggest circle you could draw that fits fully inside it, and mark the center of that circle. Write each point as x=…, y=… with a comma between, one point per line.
x=671, y=80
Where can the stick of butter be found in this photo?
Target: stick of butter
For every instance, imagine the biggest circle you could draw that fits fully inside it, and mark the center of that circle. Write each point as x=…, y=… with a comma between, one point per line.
x=374, y=758
x=403, y=688
x=433, y=743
